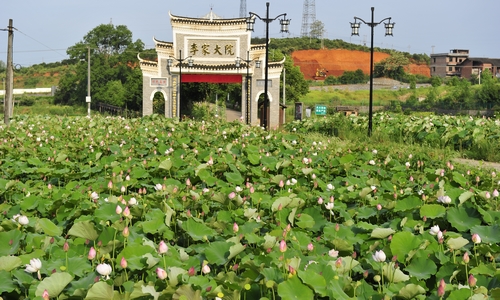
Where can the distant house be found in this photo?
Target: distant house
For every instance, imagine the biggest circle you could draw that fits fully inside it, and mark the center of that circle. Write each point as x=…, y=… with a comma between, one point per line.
x=474, y=66
x=458, y=63
x=447, y=64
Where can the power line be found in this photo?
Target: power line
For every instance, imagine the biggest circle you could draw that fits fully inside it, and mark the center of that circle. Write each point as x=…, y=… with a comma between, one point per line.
x=38, y=42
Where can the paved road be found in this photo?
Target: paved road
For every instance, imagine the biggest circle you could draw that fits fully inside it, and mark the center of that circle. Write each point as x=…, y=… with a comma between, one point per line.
x=232, y=114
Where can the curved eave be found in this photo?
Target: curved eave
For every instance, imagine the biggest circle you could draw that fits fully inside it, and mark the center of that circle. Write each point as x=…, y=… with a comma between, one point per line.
x=211, y=22
x=258, y=47
x=163, y=44
x=148, y=63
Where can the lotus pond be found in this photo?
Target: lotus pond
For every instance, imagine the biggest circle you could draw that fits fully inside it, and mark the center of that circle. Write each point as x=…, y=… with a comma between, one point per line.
x=152, y=208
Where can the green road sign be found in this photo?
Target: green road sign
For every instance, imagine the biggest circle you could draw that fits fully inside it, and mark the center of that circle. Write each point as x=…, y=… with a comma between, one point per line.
x=320, y=110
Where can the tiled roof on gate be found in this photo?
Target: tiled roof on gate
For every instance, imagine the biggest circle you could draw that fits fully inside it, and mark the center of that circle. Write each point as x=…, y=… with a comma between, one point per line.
x=211, y=20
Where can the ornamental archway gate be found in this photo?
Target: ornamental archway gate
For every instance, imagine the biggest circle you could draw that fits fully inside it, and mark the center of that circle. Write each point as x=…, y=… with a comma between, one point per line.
x=213, y=44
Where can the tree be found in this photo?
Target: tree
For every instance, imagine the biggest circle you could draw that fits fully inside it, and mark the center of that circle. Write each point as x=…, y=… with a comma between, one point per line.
x=295, y=84
x=488, y=95
x=115, y=76
x=3, y=66
x=436, y=81
x=317, y=29
x=392, y=67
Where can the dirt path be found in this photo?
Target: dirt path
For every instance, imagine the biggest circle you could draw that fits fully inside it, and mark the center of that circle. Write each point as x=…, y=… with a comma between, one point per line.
x=478, y=163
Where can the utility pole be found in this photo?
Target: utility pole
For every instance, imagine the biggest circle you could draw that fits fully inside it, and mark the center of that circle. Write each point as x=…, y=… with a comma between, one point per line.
x=9, y=78
x=88, y=99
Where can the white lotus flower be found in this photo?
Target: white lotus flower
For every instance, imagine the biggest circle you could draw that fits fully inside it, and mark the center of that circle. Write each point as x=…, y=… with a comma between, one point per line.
x=132, y=201
x=23, y=220
x=104, y=270
x=434, y=230
x=379, y=256
x=34, y=267
x=444, y=199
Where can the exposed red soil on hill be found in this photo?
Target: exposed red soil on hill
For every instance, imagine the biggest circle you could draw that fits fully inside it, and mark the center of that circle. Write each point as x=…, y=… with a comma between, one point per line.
x=335, y=61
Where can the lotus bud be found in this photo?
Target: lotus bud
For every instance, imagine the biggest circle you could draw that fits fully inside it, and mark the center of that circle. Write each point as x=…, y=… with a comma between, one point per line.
x=162, y=248
x=476, y=238
x=92, y=253
x=162, y=274
x=123, y=263
x=282, y=246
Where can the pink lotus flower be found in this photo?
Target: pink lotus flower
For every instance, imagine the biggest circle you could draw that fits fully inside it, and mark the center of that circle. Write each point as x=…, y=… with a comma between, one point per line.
x=235, y=227
x=162, y=274
x=472, y=281
x=162, y=248
x=333, y=253
x=126, y=212
x=476, y=238
x=45, y=295
x=92, y=253
x=126, y=232
x=441, y=288
x=118, y=210
x=206, y=268
x=123, y=262
x=310, y=247
x=466, y=258
x=283, y=246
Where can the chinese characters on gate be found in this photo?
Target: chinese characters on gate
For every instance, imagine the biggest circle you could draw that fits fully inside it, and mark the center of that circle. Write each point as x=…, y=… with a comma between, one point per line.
x=209, y=49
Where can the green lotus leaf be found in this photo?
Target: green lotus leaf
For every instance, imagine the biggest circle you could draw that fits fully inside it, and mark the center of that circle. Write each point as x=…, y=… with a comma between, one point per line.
x=305, y=221
x=10, y=242
x=411, y=290
x=403, y=243
x=84, y=230
x=394, y=275
x=198, y=231
x=54, y=284
x=408, y=203
x=465, y=196
x=456, y=243
x=6, y=283
x=382, y=233
x=48, y=227
x=488, y=234
x=8, y=263
x=234, y=177
x=186, y=292
x=165, y=165
x=484, y=269
x=99, y=291
x=463, y=218
x=294, y=289
x=421, y=268
x=314, y=280
x=217, y=253
x=432, y=211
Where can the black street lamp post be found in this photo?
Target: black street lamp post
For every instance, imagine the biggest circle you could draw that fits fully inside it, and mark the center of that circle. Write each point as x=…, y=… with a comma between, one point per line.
x=284, y=28
x=170, y=62
x=248, y=85
x=355, y=31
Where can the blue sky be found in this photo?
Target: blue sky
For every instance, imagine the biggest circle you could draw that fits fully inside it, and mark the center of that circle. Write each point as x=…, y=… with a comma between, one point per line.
x=47, y=28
